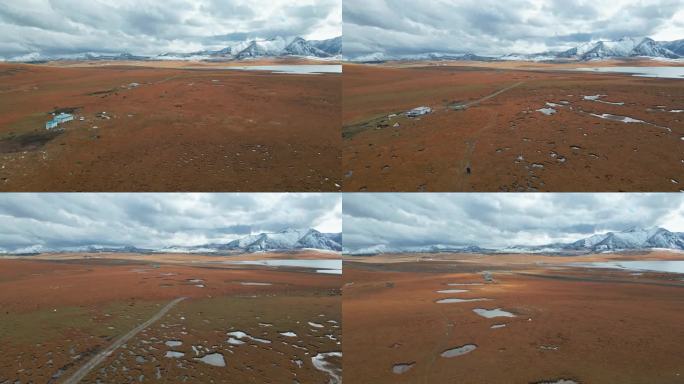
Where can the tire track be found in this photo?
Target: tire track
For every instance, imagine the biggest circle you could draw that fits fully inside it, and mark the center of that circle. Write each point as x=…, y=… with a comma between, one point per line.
x=102, y=355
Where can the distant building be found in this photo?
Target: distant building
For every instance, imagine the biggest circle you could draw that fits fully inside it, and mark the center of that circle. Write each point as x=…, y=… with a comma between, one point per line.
x=59, y=119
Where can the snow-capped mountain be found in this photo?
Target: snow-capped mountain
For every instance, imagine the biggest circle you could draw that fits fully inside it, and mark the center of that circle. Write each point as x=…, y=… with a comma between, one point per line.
x=634, y=239
x=286, y=240
x=676, y=46
x=332, y=47
x=434, y=56
x=622, y=48
x=301, y=47
x=437, y=248
x=244, y=50
x=626, y=47
x=277, y=47
x=631, y=239
x=39, y=248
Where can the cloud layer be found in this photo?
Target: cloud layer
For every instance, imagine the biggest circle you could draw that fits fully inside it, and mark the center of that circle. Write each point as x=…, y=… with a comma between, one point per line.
x=157, y=220
x=500, y=220
x=494, y=27
x=62, y=27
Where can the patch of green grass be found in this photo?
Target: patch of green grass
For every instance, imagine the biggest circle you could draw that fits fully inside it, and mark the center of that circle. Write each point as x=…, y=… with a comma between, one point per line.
x=30, y=123
x=52, y=323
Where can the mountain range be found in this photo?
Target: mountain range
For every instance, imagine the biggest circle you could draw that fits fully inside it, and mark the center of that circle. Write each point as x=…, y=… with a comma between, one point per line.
x=626, y=47
x=633, y=239
x=250, y=49
x=285, y=240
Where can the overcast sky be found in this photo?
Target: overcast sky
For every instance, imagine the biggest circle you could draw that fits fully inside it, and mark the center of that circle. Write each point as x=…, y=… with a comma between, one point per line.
x=58, y=27
x=500, y=220
x=157, y=220
x=494, y=27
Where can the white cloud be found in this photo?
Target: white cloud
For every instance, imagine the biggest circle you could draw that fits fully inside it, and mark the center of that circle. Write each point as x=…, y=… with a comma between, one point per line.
x=499, y=220
x=62, y=27
x=495, y=27
x=156, y=220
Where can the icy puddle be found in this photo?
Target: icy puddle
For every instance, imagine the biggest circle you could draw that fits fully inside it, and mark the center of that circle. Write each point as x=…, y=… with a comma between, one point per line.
x=315, y=325
x=459, y=351
x=289, y=69
x=462, y=284
x=215, y=359
x=402, y=368
x=663, y=72
x=174, y=354
x=243, y=335
x=452, y=291
x=597, y=98
x=173, y=343
x=254, y=283
x=288, y=334
x=497, y=326
x=627, y=120
x=547, y=111
x=456, y=300
x=675, y=266
x=321, y=266
x=492, y=313
x=322, y=365
x=559, y=381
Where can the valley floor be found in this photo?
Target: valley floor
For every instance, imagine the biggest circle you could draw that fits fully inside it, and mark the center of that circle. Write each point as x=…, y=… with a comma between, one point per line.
x=168, y=127
x=510, y=127
x=167, y=322
x=549, y=322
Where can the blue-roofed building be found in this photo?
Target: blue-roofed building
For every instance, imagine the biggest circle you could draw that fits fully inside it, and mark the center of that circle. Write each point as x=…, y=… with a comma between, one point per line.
x=59, y=119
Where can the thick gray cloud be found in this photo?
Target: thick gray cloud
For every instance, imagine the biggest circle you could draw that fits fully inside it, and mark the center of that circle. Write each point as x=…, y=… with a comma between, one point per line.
x=157, y=220
x=494, y=27
x=62, y=27
x=500, y=220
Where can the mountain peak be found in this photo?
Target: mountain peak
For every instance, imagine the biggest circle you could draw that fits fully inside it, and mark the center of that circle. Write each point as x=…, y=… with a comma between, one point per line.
x=286, y=240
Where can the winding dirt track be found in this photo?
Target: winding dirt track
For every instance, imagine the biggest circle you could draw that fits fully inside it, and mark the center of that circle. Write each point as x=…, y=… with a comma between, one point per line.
x=490, y=96
x=102, y=355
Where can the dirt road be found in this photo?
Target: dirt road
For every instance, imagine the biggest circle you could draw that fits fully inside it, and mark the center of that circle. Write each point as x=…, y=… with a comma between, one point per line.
x=102, y=355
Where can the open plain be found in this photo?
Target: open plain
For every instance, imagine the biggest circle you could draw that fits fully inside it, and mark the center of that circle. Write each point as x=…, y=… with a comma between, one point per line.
x=473, y=319
x=511, y=126
x=168, y=126
x=101, y=318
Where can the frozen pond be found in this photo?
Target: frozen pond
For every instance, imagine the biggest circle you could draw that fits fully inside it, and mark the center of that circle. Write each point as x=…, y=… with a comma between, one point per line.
x=492, y=313
x=662, y=72
x=626, y=120
x=321, y=266
x=402, y=368
x=598, y=99
x=459, y=351
x=236, y=335
x=547, y=111
x=674, y=266
x=215, y=359
x=452, y=291
x=289, y=69
x=456, y=300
